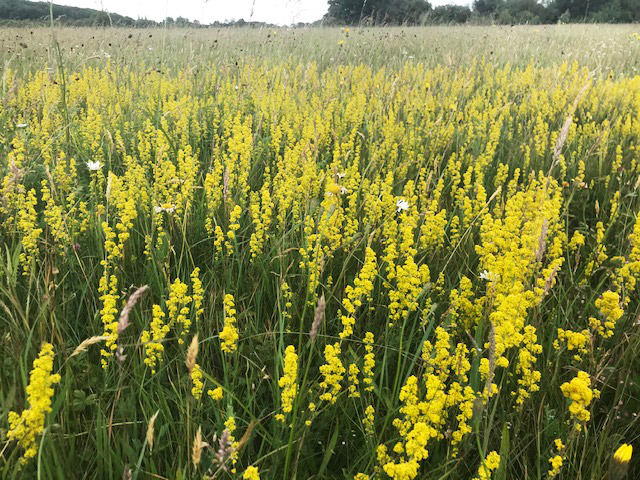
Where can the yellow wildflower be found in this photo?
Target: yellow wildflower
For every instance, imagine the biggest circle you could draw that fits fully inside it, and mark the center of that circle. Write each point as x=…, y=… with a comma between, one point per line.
x=25, y=427
x=229, y=333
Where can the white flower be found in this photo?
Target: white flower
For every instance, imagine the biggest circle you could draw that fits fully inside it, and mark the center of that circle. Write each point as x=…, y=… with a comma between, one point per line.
x=93, y=166
x=488, y=276
x=21, y=125
x=402, y=204
x=164, y=208
x=344, y=190
x=341, y=175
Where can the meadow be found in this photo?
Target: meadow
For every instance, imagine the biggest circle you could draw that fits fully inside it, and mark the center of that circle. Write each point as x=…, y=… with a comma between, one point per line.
x=376, y=253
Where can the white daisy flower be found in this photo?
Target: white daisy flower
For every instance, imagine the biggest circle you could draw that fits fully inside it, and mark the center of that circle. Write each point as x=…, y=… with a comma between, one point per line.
x=402, y=204
x=488, y=276
x=164, y=208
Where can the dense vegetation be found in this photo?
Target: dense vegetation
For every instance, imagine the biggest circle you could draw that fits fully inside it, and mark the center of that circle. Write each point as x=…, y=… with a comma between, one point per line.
x=38, y=12
x=22, y=10
x=400, y=253
x=482, y=11
x=363, y=12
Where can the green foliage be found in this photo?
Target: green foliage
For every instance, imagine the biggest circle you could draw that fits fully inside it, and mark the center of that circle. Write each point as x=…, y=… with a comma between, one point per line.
x=450, y=14
x=39, y=11
x=98, y=424
x=394, y=12
x=351, y=12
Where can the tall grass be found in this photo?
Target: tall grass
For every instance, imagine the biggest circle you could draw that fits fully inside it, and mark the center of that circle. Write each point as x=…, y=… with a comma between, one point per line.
x=464, y=158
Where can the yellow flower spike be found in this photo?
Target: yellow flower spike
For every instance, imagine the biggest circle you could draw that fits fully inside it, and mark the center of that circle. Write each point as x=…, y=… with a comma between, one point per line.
x=196, y=380
x=24, y=428
x=229, y=333
x=579, y=392
x=288, y=381
x=333, y=372
x=153, y=338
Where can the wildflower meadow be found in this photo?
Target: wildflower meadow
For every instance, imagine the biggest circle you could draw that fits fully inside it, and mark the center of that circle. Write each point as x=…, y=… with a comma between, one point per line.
x=320, y=253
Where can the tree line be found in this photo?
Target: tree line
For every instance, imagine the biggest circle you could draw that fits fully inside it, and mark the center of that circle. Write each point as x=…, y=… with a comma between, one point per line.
x=370, y=12
x=412, y=12
x=19, y=12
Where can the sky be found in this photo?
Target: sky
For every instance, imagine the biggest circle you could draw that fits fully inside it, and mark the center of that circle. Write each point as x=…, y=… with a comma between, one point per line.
x=280, y=12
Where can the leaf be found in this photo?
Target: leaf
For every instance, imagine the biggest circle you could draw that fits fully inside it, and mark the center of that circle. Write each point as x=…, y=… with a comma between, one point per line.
x=501, y=472
x=329, y=452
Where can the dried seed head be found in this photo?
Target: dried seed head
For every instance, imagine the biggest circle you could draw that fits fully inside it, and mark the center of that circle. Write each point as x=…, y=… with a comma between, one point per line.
x=542, y=240
x=564, y=133
x=123, y=321
x=225, y=185
x=198, y=446
x=87, y=343
x=549, y=281
x=150, y=430
x=318, y=318
x=192, y=353
x=108, y=191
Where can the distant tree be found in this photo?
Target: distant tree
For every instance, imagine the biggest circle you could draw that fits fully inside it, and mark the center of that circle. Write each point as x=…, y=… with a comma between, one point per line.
x=450, y=14
x=618, y=11
x=612, y=11
x=352, y=12
x=524, y=11
x=487, y=8
x=579, y=10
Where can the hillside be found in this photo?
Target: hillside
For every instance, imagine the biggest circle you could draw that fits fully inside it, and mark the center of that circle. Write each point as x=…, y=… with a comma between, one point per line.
x=22, y=11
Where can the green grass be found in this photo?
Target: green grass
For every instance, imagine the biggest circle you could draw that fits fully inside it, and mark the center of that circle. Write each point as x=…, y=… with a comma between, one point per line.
x=419, y=91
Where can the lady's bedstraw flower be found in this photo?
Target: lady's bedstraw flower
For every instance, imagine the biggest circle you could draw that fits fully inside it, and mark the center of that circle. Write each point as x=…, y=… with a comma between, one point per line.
x=369, y=362
x=609, y=306
x=288, y=381
x=251, y=473
x=490, y=463
x=216, y=394
x=25, y=427
x=153, y=338
x=229, y=333
x=332, y=372
x=557, y=460
x=579, y=392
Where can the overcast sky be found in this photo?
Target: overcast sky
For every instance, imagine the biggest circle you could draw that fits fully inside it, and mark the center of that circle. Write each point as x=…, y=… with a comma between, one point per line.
x=272, y=11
